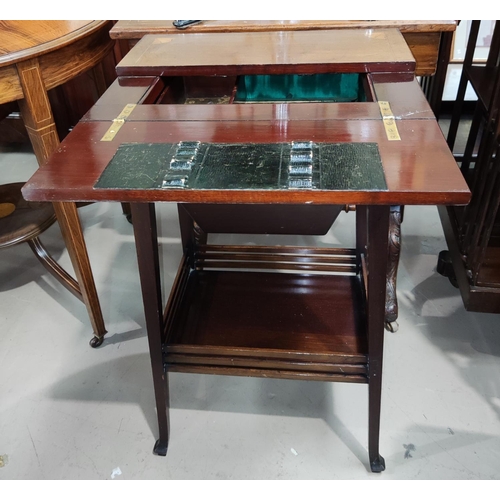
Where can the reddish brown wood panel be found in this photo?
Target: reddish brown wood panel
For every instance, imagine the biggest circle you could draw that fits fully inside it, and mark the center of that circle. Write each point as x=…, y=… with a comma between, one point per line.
x=314, y=314
x=422, y=37
x=419, y=168
x=357, y=51
x=137, y=29
x=405, y=98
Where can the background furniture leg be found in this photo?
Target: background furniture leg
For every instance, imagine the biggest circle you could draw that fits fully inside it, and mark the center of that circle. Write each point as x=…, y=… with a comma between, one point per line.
x=71, y=229
x=39, y=121
x=54, y=268
x=36, y=111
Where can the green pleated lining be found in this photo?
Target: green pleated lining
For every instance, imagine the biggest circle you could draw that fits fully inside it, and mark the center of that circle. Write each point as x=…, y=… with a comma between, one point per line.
x=332, y=87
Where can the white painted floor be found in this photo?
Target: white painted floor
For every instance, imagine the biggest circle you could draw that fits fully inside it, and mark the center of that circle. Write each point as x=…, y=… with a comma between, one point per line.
x=68, y=411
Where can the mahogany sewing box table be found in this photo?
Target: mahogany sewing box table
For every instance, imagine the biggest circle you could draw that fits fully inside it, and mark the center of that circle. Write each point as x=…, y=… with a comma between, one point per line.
x=269, y=311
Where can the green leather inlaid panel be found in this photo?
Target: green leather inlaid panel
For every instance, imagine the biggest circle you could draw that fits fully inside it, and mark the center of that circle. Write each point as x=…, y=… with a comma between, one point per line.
x=328, y=87
x=276, y=166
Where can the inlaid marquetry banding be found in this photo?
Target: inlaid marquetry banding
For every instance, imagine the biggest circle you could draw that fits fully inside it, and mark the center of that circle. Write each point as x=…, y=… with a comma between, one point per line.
x=46, y=129
x=44, y=140
x=50, y=141
x=33, y=86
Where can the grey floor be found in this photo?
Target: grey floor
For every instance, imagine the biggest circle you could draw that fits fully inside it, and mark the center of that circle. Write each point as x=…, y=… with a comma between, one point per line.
x=71, y=412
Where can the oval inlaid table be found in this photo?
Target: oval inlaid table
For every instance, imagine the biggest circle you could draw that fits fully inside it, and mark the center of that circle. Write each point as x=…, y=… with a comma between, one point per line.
x=36, y=56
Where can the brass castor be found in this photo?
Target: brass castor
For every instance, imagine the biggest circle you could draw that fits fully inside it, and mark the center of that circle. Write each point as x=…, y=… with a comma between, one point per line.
x=96, y=341
x=392, y=326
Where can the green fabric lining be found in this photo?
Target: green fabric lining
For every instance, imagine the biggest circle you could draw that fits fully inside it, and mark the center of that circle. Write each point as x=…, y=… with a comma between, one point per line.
x=332, y=87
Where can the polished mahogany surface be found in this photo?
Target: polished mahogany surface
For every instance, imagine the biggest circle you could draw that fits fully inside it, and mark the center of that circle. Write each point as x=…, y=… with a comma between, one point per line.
x=419, y=169
x=209, y=54
x=423, y=37
x=406, y=100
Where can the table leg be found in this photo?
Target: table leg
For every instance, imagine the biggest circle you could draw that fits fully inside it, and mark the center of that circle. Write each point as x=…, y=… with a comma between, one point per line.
x=391, y=300
x=191, y=234
x=36, y=111
x=39, y=121
x=361, y=231
x=377, y=250
x=435, y=93
x=146, y=241
x=71, y=229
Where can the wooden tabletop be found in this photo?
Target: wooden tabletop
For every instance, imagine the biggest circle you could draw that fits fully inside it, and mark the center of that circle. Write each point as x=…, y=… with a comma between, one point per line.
x=280, y=52
x=61, y=50
x=419, y=169
x=137, y=29
x=20, y=40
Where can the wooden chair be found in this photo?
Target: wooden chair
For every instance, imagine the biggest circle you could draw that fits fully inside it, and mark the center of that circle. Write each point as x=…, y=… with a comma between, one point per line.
x=24, y=222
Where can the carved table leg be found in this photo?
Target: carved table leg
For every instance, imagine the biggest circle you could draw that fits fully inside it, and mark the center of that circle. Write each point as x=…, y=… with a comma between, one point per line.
x=391, y=300
x=38, y=118
x=192, y=235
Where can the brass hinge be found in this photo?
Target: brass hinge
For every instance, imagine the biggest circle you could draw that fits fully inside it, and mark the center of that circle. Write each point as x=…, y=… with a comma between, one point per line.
x=118, y=122
x=389, y=121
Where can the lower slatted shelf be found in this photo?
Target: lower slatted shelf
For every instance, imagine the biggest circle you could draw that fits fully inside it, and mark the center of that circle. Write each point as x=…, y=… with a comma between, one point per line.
x=271, y=324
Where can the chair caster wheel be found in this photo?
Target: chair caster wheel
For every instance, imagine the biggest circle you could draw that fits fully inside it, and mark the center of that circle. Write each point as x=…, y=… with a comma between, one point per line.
x=392, y=326
x=96, y=341
x=378, y=465
x=129, y=217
